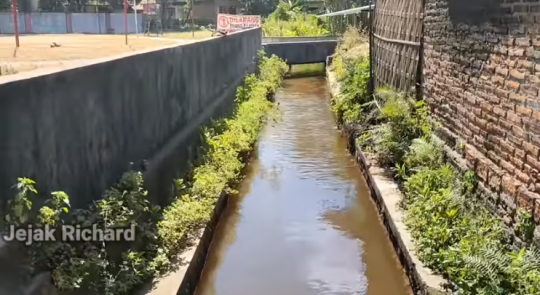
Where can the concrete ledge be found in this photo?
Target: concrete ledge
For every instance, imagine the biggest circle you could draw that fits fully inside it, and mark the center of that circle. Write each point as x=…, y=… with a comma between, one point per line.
x=386, y=194
x=184, y=280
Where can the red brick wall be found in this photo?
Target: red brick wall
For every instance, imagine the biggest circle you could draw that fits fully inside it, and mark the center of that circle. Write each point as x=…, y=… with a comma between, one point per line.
x=481, y=79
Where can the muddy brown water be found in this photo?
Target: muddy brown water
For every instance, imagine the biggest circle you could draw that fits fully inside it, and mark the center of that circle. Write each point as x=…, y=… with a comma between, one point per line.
x=303, y=222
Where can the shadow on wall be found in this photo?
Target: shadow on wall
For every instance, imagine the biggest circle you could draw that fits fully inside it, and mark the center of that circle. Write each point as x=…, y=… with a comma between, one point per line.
x=475, y=12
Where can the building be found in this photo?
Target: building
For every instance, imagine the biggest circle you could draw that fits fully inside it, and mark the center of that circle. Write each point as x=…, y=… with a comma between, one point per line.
x=204, y=11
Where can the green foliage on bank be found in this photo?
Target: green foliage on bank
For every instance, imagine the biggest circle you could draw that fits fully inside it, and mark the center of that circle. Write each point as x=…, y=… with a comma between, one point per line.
x=289, y=20
x=161, y=234
x=454, y=233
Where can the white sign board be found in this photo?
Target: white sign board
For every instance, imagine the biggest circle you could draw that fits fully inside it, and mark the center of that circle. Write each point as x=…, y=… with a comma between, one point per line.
x=231, y=23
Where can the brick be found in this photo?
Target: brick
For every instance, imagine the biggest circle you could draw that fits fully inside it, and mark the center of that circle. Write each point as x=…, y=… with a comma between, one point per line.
x=525, y=64
x=531, y=125
x=499, y=112
x=492, y=155
x=523, y=177
x=486, y=106
x=519, y=153
x=526, y=199
x=503, y=93
x=490, y=118
x=519, y=132
x=532, y=104
x=516, y=51
x=530, y=170
x=510, y=185
x=506, y=147
x=517, y=162
x=496, y=130
x=507, y=166
x=477, y=112
x=531, y=149
x=501, y=71
x=513, y=117
x=524, y=111
x=533, y=162
x=536, y=115
x=535, y=139
x=481, y=123
x=509, y=85
x=498, y=80
x=517, y=74
x=517, y=141
x=518, y=99
x=508, y=40
x=509, y=106
x=482, y=169
x=529, y=89
x=470, y=157
x=505, y=124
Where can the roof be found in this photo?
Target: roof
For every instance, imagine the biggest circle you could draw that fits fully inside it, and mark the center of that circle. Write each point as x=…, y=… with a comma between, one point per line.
x=349, y=11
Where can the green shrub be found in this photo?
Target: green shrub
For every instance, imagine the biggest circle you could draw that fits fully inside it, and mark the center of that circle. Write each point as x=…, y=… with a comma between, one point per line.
x=290, y=21
x=161, y=234
x=403, y=120
x=454, y=235
x=353, y=45
x=354, y=91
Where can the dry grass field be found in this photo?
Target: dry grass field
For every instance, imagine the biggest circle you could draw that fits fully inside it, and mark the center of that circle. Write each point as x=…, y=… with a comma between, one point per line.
x=35, y=51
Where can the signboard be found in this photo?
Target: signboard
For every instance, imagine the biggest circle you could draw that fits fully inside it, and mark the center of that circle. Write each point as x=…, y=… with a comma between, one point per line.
x=232, y=23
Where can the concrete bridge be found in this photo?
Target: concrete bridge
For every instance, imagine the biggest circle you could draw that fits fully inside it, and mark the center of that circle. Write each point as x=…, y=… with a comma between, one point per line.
x=300, y=50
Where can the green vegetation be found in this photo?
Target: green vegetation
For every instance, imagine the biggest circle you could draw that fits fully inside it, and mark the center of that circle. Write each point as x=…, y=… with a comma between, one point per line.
x=351, y=67
x=454, y=233
x=117, y=268
x=307, y=70
x=290, y=20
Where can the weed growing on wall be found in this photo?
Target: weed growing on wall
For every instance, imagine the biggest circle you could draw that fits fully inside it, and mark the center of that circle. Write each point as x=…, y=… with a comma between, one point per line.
x=7, y=70
x=352, y=45
x=454, y=234
x=117, y=268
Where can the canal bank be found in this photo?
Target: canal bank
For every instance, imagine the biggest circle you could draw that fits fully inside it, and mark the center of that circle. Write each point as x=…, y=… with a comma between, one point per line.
x=303, y=222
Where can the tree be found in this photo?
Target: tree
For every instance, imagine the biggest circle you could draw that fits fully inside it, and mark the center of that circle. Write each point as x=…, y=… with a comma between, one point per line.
x=52, y=5
x=259, y=7
x=5, y=5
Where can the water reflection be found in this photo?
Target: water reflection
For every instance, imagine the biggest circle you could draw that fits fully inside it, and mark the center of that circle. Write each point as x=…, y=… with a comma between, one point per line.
x=304, y=222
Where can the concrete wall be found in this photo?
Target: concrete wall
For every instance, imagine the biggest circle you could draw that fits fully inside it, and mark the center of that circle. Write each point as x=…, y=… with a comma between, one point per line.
x=302, y=52
x=62, y=23
x=482, y=80
x=77, y=130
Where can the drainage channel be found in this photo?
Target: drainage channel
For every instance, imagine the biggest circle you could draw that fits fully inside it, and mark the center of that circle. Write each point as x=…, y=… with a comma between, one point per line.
x=303, y=222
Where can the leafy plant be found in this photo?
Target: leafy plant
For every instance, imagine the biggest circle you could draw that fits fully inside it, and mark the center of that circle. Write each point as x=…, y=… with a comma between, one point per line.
x=454, y=235
x=160, y=233
x=289, y=20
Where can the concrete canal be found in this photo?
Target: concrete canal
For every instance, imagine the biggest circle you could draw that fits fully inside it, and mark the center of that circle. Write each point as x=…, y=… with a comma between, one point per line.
x=303, y=222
